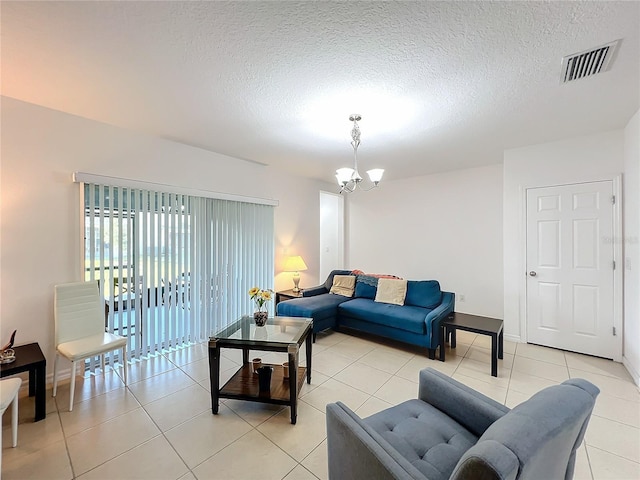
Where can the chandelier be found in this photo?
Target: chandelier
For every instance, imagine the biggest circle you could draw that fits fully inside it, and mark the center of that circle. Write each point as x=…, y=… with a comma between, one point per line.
x=349, y=178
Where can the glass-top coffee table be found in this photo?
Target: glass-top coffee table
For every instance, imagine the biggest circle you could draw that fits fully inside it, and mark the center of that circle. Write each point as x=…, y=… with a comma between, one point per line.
x=280, y=334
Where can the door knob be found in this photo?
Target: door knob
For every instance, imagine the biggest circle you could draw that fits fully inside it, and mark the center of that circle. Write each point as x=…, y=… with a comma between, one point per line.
x=532, y=273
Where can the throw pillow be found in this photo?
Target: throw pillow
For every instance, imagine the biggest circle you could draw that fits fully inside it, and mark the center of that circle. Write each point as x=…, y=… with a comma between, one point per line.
x=424, y=293
x=343, y=285
x=366, y=287
x=391, y=291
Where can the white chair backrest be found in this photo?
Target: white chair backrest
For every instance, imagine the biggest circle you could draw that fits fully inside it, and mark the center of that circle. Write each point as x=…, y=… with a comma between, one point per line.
x=78, y=311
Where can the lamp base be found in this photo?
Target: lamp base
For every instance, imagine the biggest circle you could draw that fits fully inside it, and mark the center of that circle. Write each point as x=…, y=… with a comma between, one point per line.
x=296, y=282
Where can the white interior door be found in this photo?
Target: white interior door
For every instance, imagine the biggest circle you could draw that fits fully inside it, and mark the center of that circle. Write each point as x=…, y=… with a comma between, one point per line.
x=570, y=267
x=331, y=233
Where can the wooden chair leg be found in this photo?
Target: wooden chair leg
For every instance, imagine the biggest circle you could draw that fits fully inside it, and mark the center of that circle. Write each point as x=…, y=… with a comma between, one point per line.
x=73, y=385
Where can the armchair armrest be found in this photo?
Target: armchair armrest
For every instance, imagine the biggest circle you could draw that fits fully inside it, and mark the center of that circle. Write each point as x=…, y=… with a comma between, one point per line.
x=435, y=317
x=473, y=410
x=488, y=459
x=313, y=291
x=356, y=451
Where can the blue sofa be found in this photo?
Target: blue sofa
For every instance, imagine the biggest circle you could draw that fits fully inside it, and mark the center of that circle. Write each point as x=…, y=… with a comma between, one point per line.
x=417, y=322
x=453, y=432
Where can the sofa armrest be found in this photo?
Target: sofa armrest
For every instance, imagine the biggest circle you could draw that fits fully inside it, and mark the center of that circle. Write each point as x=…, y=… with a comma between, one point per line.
x=356, y=451
x=473, y=410
x=313, y=291
x=434, y=317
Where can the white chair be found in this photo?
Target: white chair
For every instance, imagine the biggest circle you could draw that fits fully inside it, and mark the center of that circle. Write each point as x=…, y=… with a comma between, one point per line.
x=80, y=331
x=9, y=395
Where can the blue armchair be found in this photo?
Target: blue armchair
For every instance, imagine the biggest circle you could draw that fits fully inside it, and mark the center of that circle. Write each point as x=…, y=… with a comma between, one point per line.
x=454, y=432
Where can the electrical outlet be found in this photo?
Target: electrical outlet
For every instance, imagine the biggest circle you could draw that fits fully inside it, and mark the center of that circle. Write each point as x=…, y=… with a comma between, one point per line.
x=461, y=297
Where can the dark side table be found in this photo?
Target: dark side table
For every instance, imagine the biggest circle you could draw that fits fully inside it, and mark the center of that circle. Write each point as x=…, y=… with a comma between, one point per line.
x=287, y=295
x=29, y=358
x=476, y=324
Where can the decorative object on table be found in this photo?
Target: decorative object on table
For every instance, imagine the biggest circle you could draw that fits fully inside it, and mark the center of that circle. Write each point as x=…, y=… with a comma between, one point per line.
x=7, y=354
x=260, y=297
x=264, y=378
x=295, y=264
x=257, y=363
x=285, y=368
x=349, y=178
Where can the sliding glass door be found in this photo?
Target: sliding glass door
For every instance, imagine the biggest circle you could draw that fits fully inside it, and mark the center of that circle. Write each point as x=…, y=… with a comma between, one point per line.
x=173, y=268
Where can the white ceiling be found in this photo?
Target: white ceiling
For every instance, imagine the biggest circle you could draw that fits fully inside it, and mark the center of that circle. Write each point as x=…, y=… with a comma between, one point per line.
x=440, y=85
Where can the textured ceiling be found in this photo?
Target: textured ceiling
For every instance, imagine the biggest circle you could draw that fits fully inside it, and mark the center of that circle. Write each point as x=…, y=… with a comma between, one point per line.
x=440, y=85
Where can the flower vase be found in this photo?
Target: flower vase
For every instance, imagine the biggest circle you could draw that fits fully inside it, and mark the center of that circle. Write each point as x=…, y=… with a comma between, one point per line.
x=260, y=318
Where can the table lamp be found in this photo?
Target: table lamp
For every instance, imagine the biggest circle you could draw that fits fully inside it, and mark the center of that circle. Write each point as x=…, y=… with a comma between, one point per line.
x=295, y=264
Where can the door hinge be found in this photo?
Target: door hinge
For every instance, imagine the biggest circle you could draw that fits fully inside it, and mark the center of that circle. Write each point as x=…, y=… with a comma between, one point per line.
x=614, y=331
x=613, y=199
x=614, y=264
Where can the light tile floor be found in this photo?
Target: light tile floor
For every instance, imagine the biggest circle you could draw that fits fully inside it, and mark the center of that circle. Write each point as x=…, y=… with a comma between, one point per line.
x=161, y=426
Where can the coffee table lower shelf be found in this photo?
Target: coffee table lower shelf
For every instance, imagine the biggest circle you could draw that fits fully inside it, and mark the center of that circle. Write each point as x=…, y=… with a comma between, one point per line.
x=244, y=386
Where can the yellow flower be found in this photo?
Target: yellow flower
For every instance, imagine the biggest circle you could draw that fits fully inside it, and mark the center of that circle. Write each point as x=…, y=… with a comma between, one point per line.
x=254, y=291
x=266, y=295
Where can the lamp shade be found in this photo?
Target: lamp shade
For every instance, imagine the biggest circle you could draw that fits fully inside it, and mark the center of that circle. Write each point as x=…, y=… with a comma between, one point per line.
x=294, y=264
x=375, y=175
x=344, y=175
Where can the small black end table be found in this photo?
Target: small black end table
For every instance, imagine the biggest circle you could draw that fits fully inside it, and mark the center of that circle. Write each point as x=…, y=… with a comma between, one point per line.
x=476, y=324
x=29, y=358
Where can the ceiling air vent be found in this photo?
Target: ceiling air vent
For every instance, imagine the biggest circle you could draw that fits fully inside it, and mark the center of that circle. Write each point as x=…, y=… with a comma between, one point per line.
x=587, y=63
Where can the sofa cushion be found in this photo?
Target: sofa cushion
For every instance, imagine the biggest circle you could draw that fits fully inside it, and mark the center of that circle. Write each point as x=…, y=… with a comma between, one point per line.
x=424, y=293
x=402, y=317
x=318, y=307
x=391, y=291
x=328, y=283
x=366, y=286
x=429, y=439
x=343, y=285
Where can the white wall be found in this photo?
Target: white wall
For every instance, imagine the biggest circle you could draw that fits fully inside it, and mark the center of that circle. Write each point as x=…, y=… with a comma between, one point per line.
x=631, y=348
x=582, y=159
x=39, y=212
x=331, y=233
x=446, y=227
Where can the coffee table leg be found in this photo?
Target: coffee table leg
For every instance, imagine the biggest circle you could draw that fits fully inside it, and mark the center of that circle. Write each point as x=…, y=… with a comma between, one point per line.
x=442, y=340
x=494, y=355
x=293, y=381
x=308, y=353
x=501, y=344
x=453, y=337
x=40, y=390
x=214, y=375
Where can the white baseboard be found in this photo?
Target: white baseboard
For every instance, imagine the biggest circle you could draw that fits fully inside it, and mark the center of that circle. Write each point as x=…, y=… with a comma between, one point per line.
x=64, y=375
x=632, y=371
x=513, y=338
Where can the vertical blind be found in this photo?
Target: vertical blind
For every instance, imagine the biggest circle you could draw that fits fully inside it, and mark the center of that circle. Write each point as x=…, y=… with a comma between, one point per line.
x=173, y=268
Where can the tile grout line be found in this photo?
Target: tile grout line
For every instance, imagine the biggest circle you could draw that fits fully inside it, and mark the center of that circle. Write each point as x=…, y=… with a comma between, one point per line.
x=66, y=445
x=586, y=452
